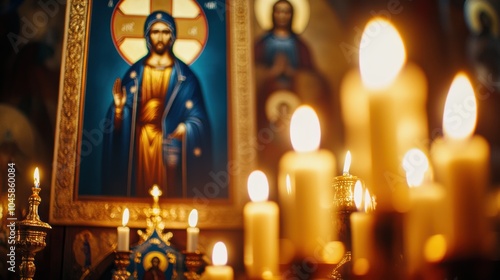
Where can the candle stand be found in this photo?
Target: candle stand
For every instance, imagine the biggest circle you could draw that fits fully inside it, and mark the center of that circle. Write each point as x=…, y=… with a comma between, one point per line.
x=194, y=262
x=344, y=204
x=122, y=261
x=30, y=237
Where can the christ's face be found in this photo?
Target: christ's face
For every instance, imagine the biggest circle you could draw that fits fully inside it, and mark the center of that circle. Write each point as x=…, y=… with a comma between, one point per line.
x=160, y=36
x=282, y=14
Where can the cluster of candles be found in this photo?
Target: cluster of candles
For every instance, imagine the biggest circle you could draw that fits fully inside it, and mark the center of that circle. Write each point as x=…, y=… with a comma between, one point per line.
x=441, y=217
x=442, y=208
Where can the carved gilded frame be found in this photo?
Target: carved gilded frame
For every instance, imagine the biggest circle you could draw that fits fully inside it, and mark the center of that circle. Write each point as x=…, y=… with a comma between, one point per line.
x=65, y=206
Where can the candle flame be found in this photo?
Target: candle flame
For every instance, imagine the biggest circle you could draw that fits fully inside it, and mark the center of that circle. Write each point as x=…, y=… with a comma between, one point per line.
x=36, y=177
x=358, y=194
x=368, y=201
x=125, y=217
x=219, y=254
x=193, y=218
x=347, y=163
x=258, y=187
x=416, y=164
x=305, y=131
x=288, y=184
x=460, y=109
x=381, y=54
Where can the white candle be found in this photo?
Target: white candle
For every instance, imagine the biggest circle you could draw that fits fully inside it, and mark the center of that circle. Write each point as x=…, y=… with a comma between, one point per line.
x=219, y=270
x=395, y=93
x=192, y=232
x=124, y=233
x=461, y=165
x=305, y=191
x=261, y=226
x=36, y=177
x=362, y=231
x=425, y=216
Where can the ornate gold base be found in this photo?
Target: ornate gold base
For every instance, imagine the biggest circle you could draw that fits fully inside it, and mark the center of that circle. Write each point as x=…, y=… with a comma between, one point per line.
x=30, y=237
x=29, y=242
x=194, y=262
x=122, y=261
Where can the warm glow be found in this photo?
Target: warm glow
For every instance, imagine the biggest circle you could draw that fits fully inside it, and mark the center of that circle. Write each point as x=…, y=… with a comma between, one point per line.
x=435, y=248
x=219, y=254
x=258, y=187
x=368, y=201
x=125, y=217
x=193, y=218
x=361, y=266
x=460, y=109
x=36, y=177
x=305, y=132
x=155, y=192
x=347, y=163
x=288, y=184
x=415, y=164
x=381, y=54
x=358, y=195
x=333, y=252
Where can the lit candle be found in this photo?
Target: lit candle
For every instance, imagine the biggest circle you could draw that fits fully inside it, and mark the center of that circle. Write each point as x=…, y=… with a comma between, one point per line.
x=344, y=185
x=219, y=270
x=425, y=215
x=36, y=177
x=261, y=225
x=395, y=96
x=363, y=244
x=308, y=198
x=460, y=163
x=192, y=232
x=356, y=119
x=124, y=233
x=343, y=199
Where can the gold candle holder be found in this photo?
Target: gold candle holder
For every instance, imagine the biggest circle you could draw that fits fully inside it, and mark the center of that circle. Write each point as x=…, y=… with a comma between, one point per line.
x=194, y=262
x=122, y=261
x=344, y=204
x=30, y=237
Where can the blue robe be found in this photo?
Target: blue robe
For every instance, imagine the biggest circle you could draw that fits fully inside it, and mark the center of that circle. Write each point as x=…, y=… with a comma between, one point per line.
x=183, y=104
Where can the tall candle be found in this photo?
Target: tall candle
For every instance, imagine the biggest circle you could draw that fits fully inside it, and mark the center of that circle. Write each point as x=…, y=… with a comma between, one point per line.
x=396, y=94
x=36, y=178
x=261, y=226
x=307, y=199
x=124, y=233
x=192, y=232
x=461, y=165
x=219, y=270
x=425, y=215
x=356, y=119
x=362, y=230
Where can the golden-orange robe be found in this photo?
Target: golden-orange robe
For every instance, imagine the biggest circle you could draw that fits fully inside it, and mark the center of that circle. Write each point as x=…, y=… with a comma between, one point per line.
x=150, y=167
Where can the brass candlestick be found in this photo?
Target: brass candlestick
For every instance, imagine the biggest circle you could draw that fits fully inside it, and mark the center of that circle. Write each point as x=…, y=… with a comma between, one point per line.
x=30, y=237
x=194, y=262
x=344, y=205
x=122, y=261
